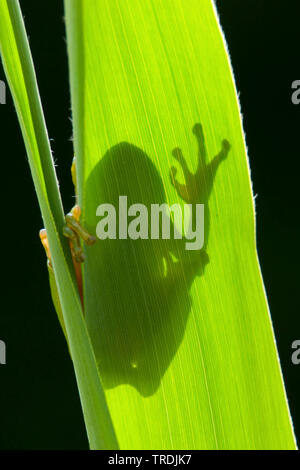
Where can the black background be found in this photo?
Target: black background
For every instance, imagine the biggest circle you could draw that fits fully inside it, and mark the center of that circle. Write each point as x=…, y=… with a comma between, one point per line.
x=39, y=404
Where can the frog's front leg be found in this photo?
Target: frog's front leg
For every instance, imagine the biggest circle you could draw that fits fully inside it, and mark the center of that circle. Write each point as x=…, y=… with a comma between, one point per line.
x=74, y=231
x=196, y=189
x=198, y=186
x=189, y=265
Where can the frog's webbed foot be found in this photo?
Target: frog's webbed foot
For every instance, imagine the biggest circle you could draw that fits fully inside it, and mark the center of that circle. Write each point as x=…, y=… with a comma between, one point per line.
x=74, y=231
x=205, y=173
x=184, y=190
x=202, y=154
x=197, y=186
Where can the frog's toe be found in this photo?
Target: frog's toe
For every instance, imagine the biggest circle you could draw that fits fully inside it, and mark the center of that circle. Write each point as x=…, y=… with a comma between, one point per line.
x=197, y=262
x=72, y=221
x=204, y=261
x=225, y=146
x=224, y=150
x=198, y=130
x=201, y=257
x=177, y=154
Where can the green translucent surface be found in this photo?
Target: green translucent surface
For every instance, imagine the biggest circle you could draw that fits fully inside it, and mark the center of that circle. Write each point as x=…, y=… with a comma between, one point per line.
x=191, y=363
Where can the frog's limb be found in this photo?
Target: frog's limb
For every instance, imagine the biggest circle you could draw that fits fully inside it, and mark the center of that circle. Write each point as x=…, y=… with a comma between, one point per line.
x=189, y=266
x=184, y=190
x=202, y=154
x=198, y=186
x=76, y=249
x=53, y=286
x=74, y=231
x=72, y=221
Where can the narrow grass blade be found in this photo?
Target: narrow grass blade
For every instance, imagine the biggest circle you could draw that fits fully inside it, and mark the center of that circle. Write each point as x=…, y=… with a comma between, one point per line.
x=21, y=77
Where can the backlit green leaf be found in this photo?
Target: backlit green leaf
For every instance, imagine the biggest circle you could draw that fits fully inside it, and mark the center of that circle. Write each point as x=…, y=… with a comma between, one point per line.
x=188, y=361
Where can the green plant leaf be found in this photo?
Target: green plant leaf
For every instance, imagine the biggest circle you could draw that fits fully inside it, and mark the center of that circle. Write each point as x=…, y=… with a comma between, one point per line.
x=188, y=362
x=19, y=70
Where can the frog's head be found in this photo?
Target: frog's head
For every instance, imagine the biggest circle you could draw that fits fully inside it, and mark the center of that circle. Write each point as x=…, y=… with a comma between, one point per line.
x=127, y=170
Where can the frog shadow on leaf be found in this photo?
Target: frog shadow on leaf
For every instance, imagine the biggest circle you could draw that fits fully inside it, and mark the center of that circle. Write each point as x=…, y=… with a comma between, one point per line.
x=143, y=299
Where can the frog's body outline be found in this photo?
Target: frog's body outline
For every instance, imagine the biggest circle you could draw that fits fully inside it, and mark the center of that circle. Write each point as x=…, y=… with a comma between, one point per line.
x=145, y=284
x=132, y=343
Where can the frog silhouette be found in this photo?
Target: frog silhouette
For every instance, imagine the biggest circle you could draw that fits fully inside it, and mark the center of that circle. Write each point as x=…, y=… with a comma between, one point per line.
x=140, y=311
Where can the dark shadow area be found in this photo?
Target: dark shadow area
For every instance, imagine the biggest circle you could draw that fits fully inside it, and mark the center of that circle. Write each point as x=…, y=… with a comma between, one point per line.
x=145, y=283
